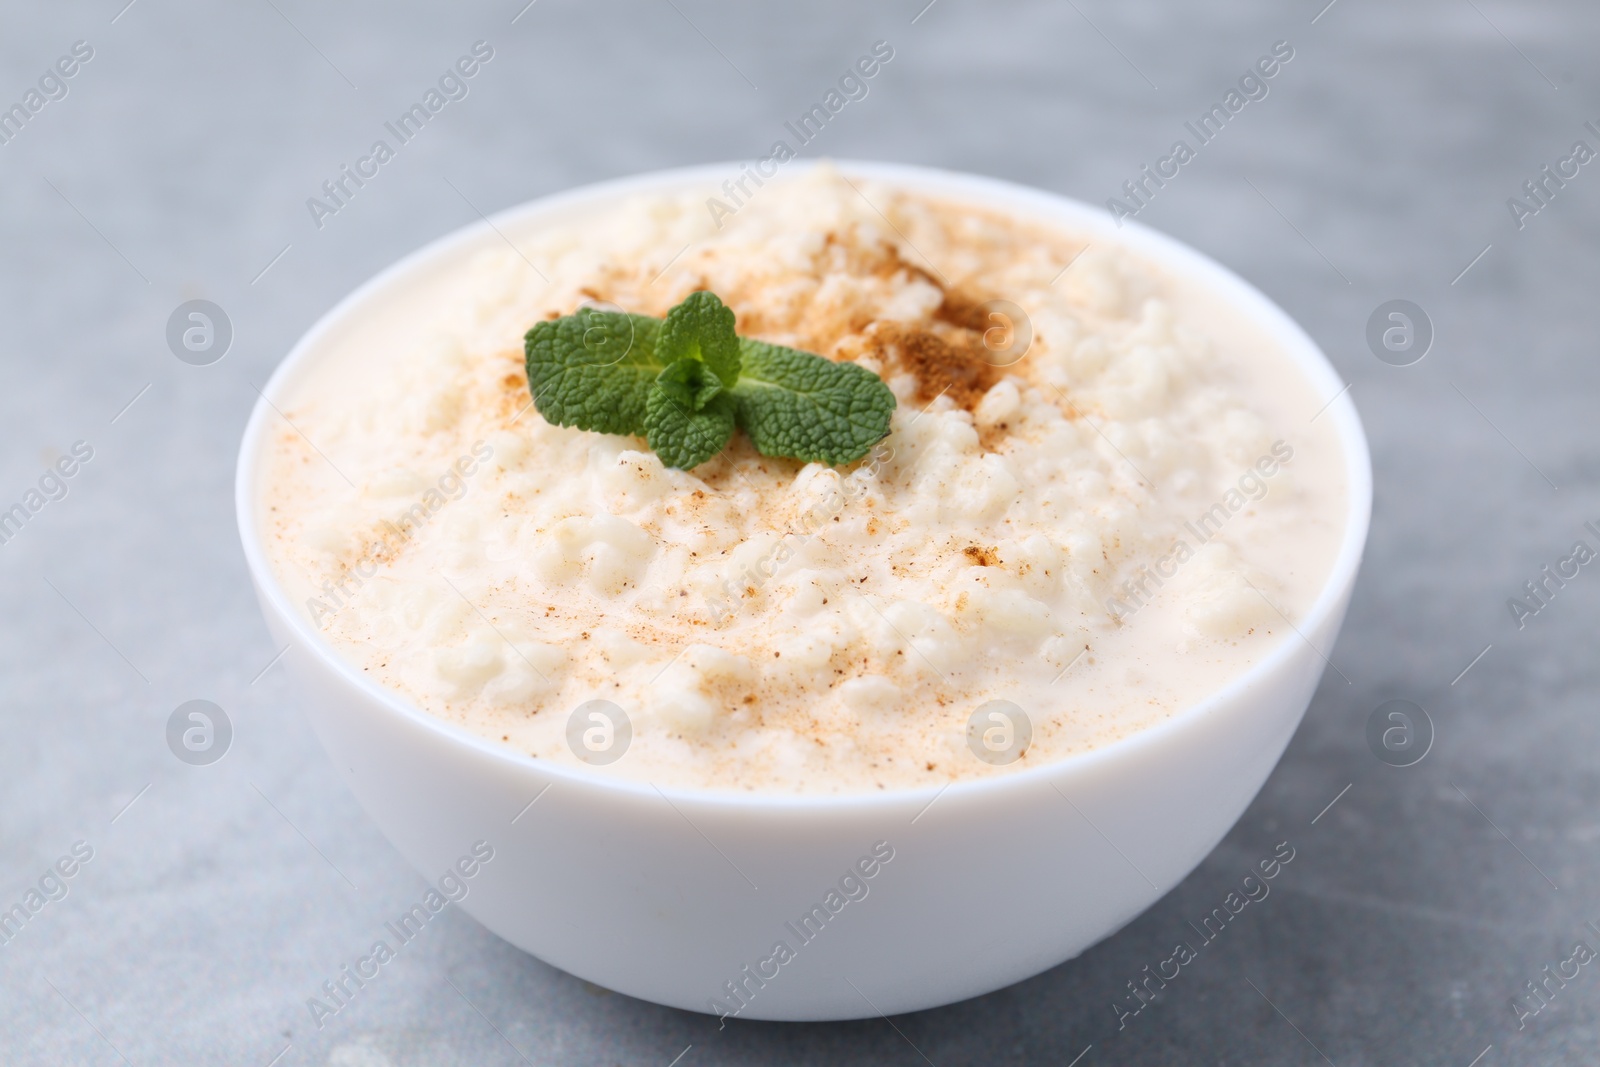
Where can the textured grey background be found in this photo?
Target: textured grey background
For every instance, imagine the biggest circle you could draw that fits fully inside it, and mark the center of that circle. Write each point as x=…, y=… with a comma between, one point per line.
x=178, y=167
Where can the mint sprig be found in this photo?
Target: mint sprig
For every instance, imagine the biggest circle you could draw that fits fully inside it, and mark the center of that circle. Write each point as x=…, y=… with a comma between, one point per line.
x=685, y=382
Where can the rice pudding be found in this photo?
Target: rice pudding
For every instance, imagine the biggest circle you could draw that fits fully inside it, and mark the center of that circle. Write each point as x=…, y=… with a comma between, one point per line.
x=1103, y=495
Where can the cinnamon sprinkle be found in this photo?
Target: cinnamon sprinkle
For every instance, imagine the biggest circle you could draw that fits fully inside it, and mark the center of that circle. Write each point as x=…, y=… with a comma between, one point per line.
x=950, y=362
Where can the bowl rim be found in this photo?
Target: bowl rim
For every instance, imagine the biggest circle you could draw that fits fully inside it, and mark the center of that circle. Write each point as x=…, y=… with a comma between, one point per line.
x=1074, y=215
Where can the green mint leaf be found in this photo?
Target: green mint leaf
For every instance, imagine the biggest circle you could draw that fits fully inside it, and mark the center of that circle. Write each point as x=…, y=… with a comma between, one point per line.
x=685, y=382
x=688, y=415
x=702, y=328
x=594, y=370
x=700, y=381
x=800, y=405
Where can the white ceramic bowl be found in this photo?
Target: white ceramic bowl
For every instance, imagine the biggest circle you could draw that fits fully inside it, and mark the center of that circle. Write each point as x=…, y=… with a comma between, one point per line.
x=669, y=895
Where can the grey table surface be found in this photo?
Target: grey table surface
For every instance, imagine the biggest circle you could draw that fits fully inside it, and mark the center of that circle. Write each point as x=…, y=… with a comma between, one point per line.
x=177, y=166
